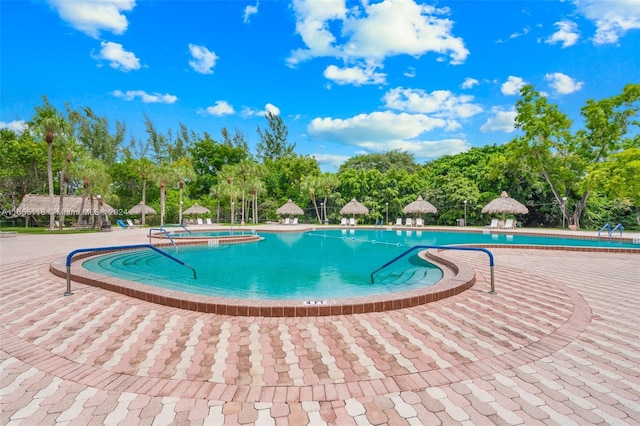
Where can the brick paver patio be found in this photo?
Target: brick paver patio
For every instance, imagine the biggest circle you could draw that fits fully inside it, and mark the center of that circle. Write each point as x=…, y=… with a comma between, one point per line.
x=559, y=344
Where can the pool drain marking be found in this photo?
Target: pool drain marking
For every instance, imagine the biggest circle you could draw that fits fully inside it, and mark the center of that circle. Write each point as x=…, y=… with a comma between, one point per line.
x=319, y=302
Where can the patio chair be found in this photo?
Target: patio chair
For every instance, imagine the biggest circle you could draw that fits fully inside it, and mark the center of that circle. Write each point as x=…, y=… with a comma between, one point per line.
x=208, y=221
x=508, y=224
x=343, y=221
x=399, y=221
x=130, y=223
x=200, y=222
x=352, y=222
x=121, y=224
x=419, y=222
x=287, y=221
x=294, y=221
x=493, y=224
x=408, y=222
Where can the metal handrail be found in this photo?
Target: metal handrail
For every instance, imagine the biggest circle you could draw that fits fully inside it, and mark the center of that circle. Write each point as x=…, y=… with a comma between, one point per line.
x=165, y=233
x=85, y=250
x=493, y=289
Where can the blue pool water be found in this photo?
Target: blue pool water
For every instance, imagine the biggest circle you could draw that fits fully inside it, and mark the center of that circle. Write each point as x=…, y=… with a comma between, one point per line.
x=315, y=265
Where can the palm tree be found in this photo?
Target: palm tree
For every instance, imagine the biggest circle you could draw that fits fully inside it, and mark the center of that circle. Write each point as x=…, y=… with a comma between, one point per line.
x=64, y=181
x=184, y=171
x=245, y=169
x=46, y=124
x=93, y=173
x=327, y=181
x=311, y=184
x=256, y=186
x=144, y=168
x=226, y=176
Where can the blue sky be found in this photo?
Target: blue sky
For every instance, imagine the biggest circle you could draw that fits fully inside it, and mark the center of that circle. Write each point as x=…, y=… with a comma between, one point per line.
x=347, y=78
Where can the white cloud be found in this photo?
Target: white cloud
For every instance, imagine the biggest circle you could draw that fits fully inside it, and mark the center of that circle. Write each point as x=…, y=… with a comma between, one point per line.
x=469, y=83
x=440, y=103
x=374, y=31
x=147, y=98
x=354, y=75
x=501, y=121
x=203, y=59
x=330, y=160
x=562, y=83
x=567, y=34
x=524, y=32
x=248, y=12
x=248, y=112
x=117, y=57
x=91, y=17
x=612, y=18
x=17, y=126
x=512, y=86
x=219, y=109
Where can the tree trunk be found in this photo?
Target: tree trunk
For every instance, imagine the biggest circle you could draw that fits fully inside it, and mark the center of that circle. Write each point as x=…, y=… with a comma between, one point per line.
x=144, y=198
x=52, y=217
x=577, y=213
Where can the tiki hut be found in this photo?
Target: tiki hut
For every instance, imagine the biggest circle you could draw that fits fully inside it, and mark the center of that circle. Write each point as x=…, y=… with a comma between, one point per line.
x=40, y=205
x=420, y=207
x=503, y=205
x=137, y=210
x=353, y=208
x=197, y=210
x=289, y=209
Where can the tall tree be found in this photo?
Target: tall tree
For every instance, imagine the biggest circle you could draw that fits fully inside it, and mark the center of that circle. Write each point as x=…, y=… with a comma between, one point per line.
x=46, y=125
x=273, y=143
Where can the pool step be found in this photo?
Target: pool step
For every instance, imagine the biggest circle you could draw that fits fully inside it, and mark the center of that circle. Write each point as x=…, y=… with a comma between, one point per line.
x=406, y=276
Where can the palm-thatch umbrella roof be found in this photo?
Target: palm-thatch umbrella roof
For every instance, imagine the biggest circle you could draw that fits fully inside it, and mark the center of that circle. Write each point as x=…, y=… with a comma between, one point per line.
x=137, y=210
x=419, y=206
x=196, y=209
x=289, y=209
x=36, y=205
x=504, y=204
x=354, y=207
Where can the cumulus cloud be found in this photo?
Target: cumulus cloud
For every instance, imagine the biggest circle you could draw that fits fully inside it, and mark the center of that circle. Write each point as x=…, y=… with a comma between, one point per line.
x=567, y=34
x=562, y=83
x=512, y=86
x=374, y=31
x=331, y=161
x=117, y=57
x=439, y=103
x=91, y=17
x=248, y=12
x=469, y=82
x=356, y=76
x=220, y=108
x=17, y=126
x=501, y=121
x=203, y=60
x=612, y=18
x=147, y=98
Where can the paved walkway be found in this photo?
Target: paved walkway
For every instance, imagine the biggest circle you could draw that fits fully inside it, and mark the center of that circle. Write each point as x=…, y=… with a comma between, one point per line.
x=559, y=344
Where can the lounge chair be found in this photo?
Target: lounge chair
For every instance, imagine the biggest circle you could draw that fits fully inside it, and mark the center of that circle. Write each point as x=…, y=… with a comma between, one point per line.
x=130, y=223
x=508, y=224
x=208, y=221
x=399, y=221
x=493, y=224
x=200, y=222
x=287, y=221
x=294, y=221
x=419, y=222
x=121, y=224
x=408, y=222
x=343, y=221
x=352, y=222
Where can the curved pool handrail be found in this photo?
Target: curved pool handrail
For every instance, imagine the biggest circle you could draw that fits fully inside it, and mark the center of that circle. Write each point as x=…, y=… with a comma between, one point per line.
x=113, y=248
x=165, y=233
x=493, y=290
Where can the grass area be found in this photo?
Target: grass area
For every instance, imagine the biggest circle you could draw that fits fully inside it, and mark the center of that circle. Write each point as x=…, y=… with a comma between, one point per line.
x=40, y=230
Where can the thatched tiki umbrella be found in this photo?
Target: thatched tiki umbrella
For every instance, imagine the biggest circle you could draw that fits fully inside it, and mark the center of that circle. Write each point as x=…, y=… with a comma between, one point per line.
x=289, y=209
x=504, y=204
x=137, y=210
x=197, y=209
x=420, y=207
x=353, y=208
x=40, y=205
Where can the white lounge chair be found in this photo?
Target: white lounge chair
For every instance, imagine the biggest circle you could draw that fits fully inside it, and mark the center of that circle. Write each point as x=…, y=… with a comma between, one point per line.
x=399, y=221
x=508, y=224
x=408, y=222
x=208, y=221
x=294, y=221
x=343, y=221
x=419, y=222
x=200, y=222
x=352, y=222
x=493, y=224
x=287, y=221
x=130, y=223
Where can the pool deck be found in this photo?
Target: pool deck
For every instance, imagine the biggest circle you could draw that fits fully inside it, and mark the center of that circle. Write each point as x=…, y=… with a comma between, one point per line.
x=558, y=344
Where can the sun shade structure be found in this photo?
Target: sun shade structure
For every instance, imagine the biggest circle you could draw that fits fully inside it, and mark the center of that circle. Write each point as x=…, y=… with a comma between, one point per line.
x=419, y=206
x=37, y=205
x=196, y=209
x=353, y=208
x=289, y=209
x=504, y=204
x=137, y=210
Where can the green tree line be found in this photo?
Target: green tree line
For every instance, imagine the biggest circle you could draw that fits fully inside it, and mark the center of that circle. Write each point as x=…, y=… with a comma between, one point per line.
x=585, y=177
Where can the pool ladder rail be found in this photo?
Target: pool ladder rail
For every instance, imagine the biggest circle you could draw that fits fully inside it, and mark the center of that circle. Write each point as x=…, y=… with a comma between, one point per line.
x=114, y=248
x=610, y=230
